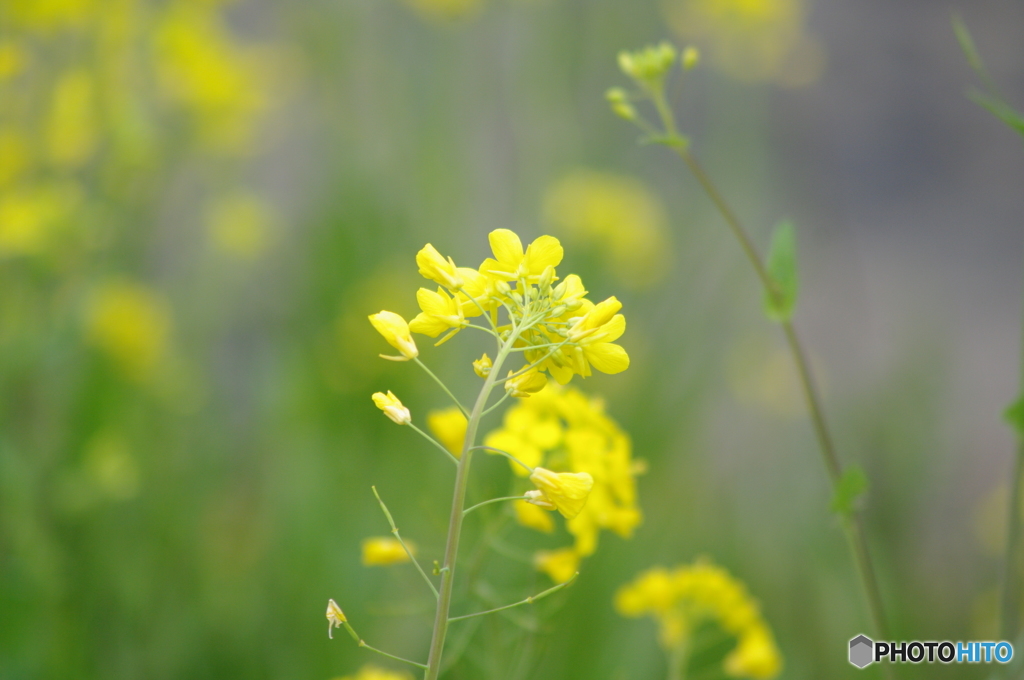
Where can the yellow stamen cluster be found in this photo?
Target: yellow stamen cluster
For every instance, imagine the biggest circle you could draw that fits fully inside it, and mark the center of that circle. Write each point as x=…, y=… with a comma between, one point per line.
x=557, y=329
x=684, y=597
x=566, y=432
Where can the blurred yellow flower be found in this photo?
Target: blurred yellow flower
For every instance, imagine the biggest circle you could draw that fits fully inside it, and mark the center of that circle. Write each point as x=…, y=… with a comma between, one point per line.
x=396, y=331
x=72, y=127
x=239, y=224
x=617, y=216
x=382, y=551
x=30, y=216
x=374, y=673
x=15, y=153
x=752, y=40
x=559, y=565
x=392, y=407
x=566, y=491
x=12, y=59
x=533, y=517
x=682, y=598
x=449, y=427
x=131, y=323
x=201, y=67
x=45, y=15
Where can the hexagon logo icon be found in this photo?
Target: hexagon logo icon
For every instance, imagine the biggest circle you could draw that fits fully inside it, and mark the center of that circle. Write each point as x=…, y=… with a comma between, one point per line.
x=861, y=648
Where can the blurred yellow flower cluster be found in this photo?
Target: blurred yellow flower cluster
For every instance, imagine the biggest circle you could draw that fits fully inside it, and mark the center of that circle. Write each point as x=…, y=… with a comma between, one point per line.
x=684, y=597
x=562, y=429
x=131, y=324
x=618, y=216
x=98, y=101
x=444, y=10
x=559, y=332
x=752, y=40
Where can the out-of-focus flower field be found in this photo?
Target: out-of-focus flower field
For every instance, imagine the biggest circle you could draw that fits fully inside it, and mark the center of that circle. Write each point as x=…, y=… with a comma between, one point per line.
x=201, y=201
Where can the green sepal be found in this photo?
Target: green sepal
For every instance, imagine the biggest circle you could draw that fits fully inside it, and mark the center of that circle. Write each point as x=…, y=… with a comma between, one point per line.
x=780, y=304
x=852, y=485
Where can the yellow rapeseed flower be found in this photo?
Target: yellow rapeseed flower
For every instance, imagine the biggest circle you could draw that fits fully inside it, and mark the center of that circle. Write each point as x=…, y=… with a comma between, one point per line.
x=524, y=385
x=396, y=331
x=435, y=267
x=449, y=427
x=566, y=491
x=441, y=312
x=511, y=263
x=71, y=130
x=682, y=598
x=392, y=407
x=382, y=551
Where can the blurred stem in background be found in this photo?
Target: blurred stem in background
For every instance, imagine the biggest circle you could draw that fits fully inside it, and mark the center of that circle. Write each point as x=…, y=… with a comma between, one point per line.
x=995, y=103
x=649, y=69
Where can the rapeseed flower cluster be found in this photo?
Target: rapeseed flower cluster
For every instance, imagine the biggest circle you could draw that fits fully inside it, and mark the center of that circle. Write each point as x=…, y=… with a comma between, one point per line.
x=561, y=429
x=682, y=598
x=557, y=329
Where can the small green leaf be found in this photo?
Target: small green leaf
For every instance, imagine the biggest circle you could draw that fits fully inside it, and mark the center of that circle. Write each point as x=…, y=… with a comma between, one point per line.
x=1000, y=110
x=967, y=45
x=781, y=264
x=851, y=486
x=1014, y=415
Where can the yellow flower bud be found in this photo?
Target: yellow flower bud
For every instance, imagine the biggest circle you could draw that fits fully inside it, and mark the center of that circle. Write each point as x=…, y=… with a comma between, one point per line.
x=392, y=407
x=335, y=617
x=382, y=551
x=482, y=366
x=690, y=58
x=649, y=65
x=619, y=101
x=528, y=383
x=396, y=331
x=567, y=491
x=435, y=267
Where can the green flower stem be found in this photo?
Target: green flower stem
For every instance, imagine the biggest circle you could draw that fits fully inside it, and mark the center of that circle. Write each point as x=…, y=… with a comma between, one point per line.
x=443, y=386
x=854, y=524
x=1010, y=598
x=394, y=530
x=534, y=365
x=497, y=403
x=506, y=454
x=435, y=443
x=677, y=658
x=530, y=600
x=455, y=521
x=362, y=643
x=493, y=500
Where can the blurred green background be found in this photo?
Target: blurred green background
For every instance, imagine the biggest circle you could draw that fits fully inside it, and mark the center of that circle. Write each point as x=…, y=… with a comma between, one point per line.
x=201, y=202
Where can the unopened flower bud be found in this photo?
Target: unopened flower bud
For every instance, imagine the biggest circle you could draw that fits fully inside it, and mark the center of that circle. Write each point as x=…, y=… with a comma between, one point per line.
x=620, y=104
x=690, y=58
x=482, y=366
x=392, y=407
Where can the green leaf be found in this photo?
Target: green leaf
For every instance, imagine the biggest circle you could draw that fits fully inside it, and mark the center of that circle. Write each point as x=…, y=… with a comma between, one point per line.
x=851, y=486
x=967, y=45
x=1014, y=415
x=1000, y=110
x=781, y=264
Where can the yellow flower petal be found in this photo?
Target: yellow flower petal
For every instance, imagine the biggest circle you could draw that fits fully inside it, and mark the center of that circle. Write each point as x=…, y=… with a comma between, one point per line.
x=545, y=251
x=607, y=357
x=507, y=247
